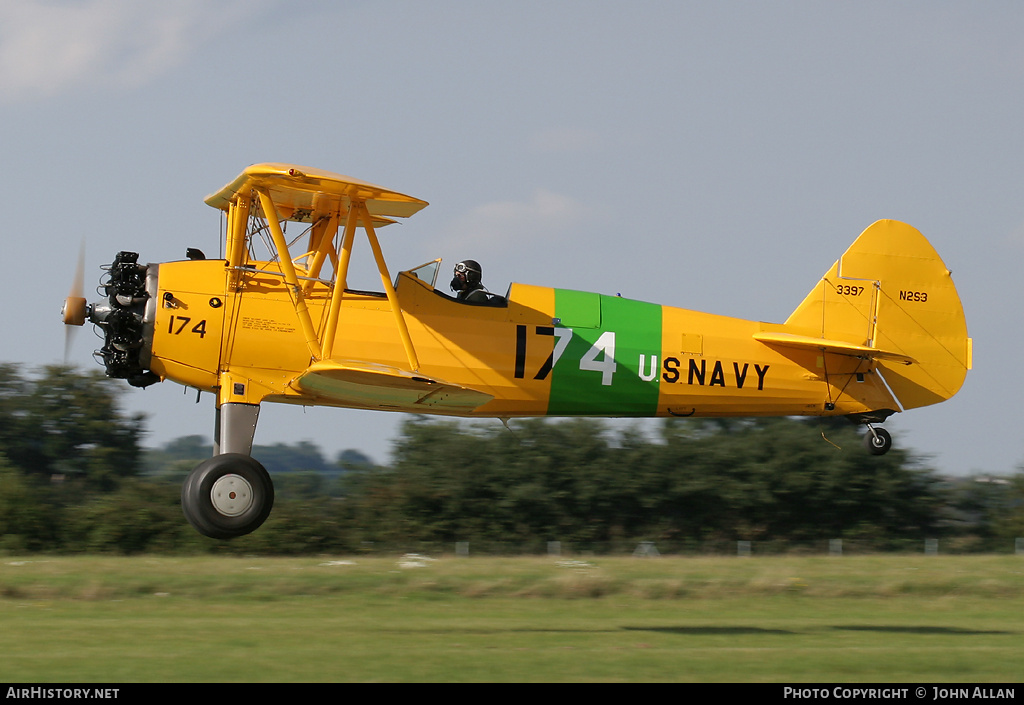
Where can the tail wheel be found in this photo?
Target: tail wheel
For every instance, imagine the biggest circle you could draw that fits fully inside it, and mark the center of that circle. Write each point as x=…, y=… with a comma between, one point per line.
x=228, y=495
x=878, y=441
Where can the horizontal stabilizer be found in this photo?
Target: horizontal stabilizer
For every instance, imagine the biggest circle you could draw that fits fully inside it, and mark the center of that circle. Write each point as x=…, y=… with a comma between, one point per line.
x=838, y=347
x=374, y=386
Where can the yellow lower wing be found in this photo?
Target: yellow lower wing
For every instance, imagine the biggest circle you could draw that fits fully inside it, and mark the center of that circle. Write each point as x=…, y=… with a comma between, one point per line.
x=374, y=386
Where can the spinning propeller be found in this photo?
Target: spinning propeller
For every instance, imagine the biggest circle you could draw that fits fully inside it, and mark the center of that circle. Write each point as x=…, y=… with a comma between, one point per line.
x=75, y=309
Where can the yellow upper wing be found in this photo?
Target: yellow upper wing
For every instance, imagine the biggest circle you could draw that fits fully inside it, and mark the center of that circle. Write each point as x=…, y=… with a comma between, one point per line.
x=306, y=194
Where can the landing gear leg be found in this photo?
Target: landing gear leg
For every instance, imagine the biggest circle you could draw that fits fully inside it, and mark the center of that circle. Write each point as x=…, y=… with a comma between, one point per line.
x=877, y=440
x=235, y=428
x=231, y=494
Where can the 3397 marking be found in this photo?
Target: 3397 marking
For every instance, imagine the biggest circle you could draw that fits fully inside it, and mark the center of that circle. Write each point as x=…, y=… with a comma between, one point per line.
x=849, y=290
x=177, y=325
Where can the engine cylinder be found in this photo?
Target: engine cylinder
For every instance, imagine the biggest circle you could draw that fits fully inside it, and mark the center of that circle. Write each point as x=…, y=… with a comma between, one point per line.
x=122, y=318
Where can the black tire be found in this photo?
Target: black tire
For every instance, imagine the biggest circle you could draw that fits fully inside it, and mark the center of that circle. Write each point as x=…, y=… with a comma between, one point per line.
x=879, y=442
x=228, y=495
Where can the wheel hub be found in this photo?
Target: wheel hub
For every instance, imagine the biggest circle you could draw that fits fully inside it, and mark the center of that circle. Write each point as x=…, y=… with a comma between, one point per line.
x=231, y=495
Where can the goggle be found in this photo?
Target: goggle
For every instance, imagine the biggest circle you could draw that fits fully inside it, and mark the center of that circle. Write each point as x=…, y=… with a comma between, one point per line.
x=460, y=268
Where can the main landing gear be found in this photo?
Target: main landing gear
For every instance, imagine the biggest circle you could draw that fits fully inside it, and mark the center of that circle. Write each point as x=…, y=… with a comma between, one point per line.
x=230, y=494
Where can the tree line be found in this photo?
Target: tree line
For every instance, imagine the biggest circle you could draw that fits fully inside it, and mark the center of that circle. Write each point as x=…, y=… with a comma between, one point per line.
x=74, y=477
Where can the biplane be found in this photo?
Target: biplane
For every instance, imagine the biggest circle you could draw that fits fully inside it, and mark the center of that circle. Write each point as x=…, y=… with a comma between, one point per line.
x=274, y=320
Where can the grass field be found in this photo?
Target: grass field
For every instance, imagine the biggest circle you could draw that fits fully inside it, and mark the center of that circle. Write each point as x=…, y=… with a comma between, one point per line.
x=909, y=619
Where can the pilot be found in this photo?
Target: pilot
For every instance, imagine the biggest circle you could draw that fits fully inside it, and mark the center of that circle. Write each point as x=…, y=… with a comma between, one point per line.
x=467, y=281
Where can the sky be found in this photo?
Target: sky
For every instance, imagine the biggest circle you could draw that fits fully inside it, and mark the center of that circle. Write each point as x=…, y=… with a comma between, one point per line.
x=716, y=156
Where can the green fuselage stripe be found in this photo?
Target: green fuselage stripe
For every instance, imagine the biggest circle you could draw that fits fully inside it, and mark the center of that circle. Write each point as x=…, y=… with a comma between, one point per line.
x=586, y=379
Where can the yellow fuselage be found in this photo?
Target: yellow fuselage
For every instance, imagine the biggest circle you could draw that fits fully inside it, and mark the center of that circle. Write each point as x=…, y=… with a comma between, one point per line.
x=545, y=351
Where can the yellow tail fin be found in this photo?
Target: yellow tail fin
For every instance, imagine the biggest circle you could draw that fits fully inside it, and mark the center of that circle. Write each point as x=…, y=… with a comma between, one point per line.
x=891, y=291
